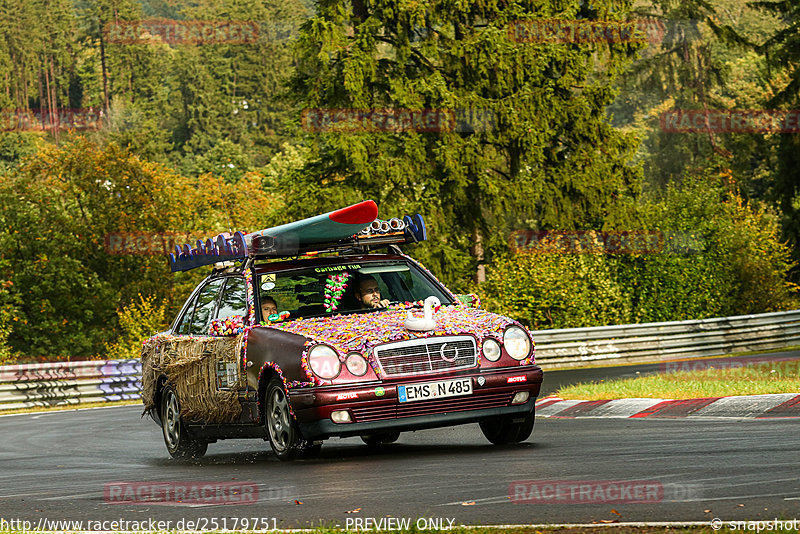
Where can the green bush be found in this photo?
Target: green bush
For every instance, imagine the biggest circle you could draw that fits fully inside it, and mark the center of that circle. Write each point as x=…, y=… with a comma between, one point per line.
x=138, y=321
x=720, y=257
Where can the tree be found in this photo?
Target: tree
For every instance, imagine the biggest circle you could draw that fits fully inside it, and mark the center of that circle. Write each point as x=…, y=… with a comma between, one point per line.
x=779, y=47
x=542, y=151
x=57, y=210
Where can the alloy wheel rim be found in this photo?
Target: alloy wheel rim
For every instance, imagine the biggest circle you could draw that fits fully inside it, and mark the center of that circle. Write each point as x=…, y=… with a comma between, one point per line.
x=172, y=421
x=279, y=424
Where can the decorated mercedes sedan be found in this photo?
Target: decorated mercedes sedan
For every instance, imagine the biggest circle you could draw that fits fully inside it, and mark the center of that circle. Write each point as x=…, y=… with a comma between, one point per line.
x=324, y=328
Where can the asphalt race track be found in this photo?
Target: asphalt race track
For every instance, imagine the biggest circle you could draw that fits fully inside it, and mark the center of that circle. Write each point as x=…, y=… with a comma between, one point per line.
x=55, y=466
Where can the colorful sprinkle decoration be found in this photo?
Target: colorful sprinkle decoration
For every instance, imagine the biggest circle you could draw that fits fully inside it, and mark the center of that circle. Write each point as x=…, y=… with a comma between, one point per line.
x=334, y=289
x=229, y=326
x=361, y=332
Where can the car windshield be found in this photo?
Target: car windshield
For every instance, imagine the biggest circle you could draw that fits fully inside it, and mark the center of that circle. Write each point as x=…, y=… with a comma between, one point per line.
x=344, y=288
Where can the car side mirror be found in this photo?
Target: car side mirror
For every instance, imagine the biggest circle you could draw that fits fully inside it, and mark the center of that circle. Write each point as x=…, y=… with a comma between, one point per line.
x=470, y=300
x=227, y=326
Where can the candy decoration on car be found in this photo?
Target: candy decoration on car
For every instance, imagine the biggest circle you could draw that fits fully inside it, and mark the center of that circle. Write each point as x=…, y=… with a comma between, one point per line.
x=423, y=323
x=278, y=317
x=334, y=290
x=409, y=229
x=228, y=326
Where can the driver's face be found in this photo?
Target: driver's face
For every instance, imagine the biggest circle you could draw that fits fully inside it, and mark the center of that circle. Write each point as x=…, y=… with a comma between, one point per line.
x=370, y=294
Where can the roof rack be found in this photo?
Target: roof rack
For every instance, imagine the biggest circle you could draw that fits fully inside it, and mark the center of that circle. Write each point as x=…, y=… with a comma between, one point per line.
x=393, y=231
x=239, y=246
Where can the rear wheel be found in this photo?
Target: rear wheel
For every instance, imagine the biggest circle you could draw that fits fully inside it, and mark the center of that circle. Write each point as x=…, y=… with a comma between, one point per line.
x=508, y=428
x=285, y=438
x=180, y=444
x=382, y=438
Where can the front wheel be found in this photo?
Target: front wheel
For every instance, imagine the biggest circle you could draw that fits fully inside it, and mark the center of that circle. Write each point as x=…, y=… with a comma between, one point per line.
x=180, y=444
x=508, y=428
x=285, y=437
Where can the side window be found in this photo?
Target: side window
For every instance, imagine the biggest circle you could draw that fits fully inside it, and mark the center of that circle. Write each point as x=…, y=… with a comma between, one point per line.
x=204, y=309
x=186, y=320
x=233, y=300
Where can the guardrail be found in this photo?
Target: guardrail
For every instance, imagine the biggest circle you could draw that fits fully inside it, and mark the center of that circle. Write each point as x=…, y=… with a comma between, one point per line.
x=62, y=383
x=671, y=340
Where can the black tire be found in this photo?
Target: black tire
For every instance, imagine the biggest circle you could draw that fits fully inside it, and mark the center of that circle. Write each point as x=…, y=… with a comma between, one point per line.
x=508, y=428
x=285, y=438
x=382, y=438
x=180, y=444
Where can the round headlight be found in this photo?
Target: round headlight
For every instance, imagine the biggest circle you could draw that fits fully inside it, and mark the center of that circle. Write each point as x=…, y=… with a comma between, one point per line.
x=356, y=364
x=324, y=361
x=517, y=343
x=491, y=349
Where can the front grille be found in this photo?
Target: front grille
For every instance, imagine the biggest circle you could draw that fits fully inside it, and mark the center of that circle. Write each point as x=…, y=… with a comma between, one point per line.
x=431, y=407
x=426, y=356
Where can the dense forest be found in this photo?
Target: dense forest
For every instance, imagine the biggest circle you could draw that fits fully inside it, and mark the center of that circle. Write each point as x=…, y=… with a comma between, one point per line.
x=502, y=123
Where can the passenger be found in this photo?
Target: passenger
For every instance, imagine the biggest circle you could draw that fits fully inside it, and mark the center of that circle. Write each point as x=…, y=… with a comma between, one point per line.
x=268, y=307
x=368, y=294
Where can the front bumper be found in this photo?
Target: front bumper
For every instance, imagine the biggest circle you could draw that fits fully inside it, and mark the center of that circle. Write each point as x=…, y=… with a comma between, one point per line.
x=375, y=407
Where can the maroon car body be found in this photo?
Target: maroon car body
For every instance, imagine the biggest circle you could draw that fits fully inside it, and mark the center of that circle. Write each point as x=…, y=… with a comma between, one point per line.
x=333, y=367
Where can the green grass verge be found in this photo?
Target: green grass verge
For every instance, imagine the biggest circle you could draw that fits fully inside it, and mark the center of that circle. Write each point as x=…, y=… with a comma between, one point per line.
x=598, y=364
x=757, y=379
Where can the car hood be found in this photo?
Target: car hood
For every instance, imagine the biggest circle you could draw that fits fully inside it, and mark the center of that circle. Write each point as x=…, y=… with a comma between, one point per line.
x=362, y=331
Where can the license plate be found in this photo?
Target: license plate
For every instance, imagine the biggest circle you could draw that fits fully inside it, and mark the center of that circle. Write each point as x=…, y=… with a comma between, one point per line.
x=434, y=390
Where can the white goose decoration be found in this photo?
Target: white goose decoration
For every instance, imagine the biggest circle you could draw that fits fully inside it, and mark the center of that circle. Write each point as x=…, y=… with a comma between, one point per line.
x=423, y=323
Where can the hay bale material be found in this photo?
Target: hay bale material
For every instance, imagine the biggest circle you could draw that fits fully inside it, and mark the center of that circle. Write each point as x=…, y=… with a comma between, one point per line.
x=190, y=366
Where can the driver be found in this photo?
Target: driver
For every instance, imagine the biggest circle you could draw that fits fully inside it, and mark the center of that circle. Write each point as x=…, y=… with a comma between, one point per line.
x=368, y=294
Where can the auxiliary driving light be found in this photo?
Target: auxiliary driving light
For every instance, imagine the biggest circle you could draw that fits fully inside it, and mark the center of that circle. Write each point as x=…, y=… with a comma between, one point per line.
x=341, y=416
x=521, y=397
x=356, y=364
x=491, y=349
